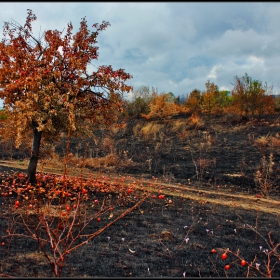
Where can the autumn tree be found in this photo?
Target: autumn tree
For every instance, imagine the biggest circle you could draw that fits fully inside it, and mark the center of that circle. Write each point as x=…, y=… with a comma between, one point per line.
x=267, y=105
x=209, y=97
x=194, y=101
x=46, y=86
x=162, y=106
x=277, y=103
x=251, y=96
x=266, y=100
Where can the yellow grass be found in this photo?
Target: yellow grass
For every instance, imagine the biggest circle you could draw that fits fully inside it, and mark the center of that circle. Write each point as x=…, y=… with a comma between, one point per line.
x=151, y=129
x=178, y=126
x=137, y=128
x=262, y=141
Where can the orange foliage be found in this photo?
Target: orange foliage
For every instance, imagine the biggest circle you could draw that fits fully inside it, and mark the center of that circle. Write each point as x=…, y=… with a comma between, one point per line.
x=193, y=102
x=267, y=105
x=46, y=86
x=209, y=97
x=251, y=96
x=161, y=107
x=46, y=82
x=182, y=109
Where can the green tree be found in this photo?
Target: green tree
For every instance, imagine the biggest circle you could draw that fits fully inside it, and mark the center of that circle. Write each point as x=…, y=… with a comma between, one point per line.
x=139, y=103
x=223, y=98
x=3, y=114
x=137, y=107
x=171, y=97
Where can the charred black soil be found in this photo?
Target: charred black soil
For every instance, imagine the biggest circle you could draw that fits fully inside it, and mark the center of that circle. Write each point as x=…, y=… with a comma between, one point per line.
x=159, y=239
x=214, y=207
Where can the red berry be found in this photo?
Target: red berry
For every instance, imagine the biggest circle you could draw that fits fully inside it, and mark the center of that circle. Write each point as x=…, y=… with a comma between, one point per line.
x=98, y=220
x=161, y=196
x=67, y=194
x=227, y=267
x=243, y=263
x=17, y=203
x=68, y=208
x=129, y=191
x=63, y=213
x=3, y=243
x=84, y=191
x=224, y=256
x=154, y=196
x=214, y=251
x=258, y=195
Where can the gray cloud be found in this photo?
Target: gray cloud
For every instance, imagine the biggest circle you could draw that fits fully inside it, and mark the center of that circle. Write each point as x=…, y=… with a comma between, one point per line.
x=173, y=46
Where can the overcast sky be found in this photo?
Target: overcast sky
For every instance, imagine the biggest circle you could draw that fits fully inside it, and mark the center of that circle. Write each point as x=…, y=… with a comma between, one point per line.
x=173, y=46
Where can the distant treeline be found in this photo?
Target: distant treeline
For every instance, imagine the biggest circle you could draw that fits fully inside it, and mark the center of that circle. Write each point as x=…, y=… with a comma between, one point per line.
x=248, y=97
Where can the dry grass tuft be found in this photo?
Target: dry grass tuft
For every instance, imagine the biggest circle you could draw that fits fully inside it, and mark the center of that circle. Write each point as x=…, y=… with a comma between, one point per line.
x=137, y=128
x=178, y=126
x=196, y=120
x=262, y=141
x=107, y=162
x=151, y=129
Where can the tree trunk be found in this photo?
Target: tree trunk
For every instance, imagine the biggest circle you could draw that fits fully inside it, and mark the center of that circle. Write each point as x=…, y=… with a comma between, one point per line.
x=31, y=173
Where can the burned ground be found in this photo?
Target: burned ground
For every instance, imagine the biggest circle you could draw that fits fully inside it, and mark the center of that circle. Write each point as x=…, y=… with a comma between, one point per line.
x=175, y=239
x=159, y=239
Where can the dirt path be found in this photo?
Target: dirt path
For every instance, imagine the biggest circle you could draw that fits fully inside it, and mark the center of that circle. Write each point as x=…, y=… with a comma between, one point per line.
x=194, y=192
x=160, y=239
